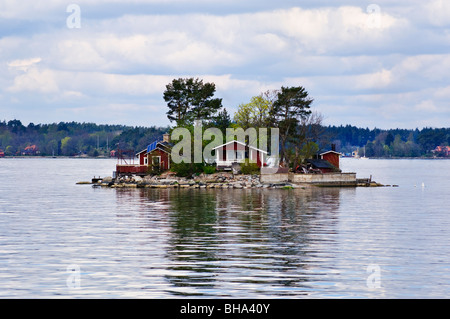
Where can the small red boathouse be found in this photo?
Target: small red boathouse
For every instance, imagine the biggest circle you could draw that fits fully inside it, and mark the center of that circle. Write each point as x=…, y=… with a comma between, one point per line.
x=155, y=158
x=331, y=157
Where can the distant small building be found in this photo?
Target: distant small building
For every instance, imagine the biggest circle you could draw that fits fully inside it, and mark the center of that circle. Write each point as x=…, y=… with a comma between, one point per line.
x=326, y=162
x=238, y=152
x=2, y=154
x=332, y=157
x=31, y=150
x=442, y=150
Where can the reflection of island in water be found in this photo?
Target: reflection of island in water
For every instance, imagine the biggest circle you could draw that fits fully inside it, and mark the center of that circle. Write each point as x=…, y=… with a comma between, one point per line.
x=246, y=239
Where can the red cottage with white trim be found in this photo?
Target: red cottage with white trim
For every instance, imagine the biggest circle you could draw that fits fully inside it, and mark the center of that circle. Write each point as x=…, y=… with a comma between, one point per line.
x=237, y=152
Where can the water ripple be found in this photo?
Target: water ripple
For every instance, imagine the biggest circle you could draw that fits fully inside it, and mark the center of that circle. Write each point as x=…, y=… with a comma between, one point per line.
x=250, y=243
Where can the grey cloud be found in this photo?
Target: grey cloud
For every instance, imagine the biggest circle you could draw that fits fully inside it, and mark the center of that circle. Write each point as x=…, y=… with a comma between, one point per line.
x=125, y=52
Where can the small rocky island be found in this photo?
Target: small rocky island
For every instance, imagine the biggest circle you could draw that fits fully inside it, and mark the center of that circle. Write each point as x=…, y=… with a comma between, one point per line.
x=322, y=171
x=225, y=180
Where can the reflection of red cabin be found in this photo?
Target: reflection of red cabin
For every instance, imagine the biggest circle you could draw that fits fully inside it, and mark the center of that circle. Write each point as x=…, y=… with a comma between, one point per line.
x=238, y=152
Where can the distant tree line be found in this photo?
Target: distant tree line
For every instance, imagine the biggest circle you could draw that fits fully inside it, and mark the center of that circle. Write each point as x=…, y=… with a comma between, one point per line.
x=71, y=138
x=302, y=134
x=389, y=143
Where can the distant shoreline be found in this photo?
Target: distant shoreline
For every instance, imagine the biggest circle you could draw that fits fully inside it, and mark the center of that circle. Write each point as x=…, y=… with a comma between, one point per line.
x=98, y=157
x=399, y=158
x=56, y=157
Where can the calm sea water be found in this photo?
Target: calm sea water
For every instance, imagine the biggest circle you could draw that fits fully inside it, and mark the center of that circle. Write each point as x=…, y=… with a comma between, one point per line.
x=62, y=240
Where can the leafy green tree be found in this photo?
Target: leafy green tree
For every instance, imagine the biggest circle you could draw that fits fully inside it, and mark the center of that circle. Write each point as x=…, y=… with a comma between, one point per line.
x=9, y=150
x=412, y=149
x=386, y=151
x=64, y=144
x=243, y=116
x=256, y=113
x=398, y=146
x=308, y=150
x=70, y=146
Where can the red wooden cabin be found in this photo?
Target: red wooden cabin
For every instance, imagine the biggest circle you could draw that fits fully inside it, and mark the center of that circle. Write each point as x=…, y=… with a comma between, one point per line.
x=155, y=158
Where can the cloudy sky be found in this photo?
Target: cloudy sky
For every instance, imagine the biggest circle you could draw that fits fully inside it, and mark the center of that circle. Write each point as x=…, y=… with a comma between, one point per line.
x=378, y=64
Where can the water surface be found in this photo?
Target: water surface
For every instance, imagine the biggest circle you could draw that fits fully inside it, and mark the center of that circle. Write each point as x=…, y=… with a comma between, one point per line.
x=62, y=240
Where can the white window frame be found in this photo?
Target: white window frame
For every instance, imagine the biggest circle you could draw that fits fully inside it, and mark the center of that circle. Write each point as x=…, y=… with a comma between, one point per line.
x=159, y=160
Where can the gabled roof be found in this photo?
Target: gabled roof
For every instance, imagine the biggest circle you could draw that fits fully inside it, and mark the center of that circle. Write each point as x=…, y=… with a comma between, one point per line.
x=141, y=152
x=163, y=149
x=330, y=152
x=243, y=144
x=162, y=146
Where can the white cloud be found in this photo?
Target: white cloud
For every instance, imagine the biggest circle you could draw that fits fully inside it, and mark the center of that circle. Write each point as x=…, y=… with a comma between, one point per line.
x=23, y=65
x=376, y=80
x=442, y=93
x=430, y=66
x=346, y=57
x=37, y=80
x=437, y=12
x=78, y=55
x=203, y=42
x=426, y=106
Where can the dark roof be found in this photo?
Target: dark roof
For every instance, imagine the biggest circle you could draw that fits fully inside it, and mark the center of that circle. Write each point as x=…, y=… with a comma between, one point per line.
x=166, y=144
x=320, y=163
x=163, y=146
x=152, y=146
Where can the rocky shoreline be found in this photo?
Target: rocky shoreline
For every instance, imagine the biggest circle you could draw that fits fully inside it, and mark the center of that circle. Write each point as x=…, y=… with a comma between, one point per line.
x=218, y=180
x=222, y=180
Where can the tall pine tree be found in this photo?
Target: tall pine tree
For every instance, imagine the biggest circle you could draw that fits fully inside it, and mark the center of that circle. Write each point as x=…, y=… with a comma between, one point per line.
x=292, y=104
x=191, y=99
